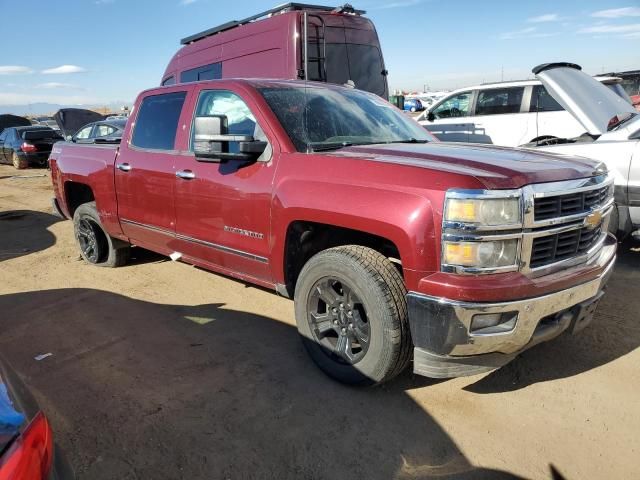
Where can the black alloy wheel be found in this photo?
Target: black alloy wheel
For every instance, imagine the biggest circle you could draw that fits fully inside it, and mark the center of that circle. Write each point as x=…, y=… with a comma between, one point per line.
x=338, y=320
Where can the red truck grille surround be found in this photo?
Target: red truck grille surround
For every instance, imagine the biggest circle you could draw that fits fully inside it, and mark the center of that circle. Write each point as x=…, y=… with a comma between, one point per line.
x=570, y=204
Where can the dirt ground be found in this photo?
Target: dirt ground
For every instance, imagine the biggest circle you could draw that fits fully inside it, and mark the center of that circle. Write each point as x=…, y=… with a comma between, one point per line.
x=163, y=371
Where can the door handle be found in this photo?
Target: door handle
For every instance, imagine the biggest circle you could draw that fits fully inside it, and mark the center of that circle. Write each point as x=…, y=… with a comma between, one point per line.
x=125, y=167
x=185, y=174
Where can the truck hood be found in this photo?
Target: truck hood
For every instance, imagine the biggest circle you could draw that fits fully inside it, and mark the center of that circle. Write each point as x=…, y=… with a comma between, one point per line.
x=496, y=167
x=8, y=120
x=70, y=120
x=591, y=103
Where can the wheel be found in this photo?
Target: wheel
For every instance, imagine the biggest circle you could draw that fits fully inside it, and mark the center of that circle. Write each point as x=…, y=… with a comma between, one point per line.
x=18, y=162
x=351, y=313
x=96, y=246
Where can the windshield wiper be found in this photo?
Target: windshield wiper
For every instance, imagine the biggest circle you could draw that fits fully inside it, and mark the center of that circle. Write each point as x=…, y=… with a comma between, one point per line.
x=409, y=140
x=325, y=147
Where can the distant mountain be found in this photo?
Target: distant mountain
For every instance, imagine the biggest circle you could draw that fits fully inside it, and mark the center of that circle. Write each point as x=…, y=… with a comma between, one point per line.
x=50, y=108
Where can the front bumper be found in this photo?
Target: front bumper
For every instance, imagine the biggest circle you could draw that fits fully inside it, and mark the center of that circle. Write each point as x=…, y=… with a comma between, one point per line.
x=445, y=345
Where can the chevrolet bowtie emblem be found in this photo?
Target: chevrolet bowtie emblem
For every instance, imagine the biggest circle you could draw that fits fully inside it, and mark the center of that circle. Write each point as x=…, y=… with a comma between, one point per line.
x=592, y=220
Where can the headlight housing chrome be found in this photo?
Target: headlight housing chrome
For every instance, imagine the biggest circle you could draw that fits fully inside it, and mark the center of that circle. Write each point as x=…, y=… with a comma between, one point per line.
x=474, y=237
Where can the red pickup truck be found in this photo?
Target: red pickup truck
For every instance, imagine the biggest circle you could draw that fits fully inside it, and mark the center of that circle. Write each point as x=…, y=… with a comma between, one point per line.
x=394, y=246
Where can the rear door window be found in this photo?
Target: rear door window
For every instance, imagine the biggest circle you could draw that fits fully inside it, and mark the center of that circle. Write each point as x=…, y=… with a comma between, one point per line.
x=84, y=133
x=498, y=101
x=157, y=121
x=542, y=101
x=103, y=131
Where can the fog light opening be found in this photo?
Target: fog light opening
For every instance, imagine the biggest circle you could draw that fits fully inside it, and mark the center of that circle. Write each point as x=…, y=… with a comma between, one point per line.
x=493, y=323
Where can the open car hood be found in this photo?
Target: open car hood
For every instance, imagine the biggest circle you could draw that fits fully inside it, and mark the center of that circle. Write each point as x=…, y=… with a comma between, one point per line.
x=8, y=120
x=70, y=120
x=590, y=102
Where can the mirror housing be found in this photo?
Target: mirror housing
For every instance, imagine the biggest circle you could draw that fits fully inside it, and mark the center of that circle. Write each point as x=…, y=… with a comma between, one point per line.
x=430, y=116
x=211, y=141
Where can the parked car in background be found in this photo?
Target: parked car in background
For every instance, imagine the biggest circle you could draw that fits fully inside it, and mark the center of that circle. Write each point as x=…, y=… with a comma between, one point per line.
x=105, y=131
x=631, y=84
x=70, y=120
x=27, y=447
x=413, y=105
x=8, y=120
x=393, y=246
x=290, y=41
x=611, y=134
x=24, y=146
x=506, y=113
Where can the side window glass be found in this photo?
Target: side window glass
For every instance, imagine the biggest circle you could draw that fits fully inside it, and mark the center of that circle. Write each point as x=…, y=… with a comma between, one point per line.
x=457, y=106
x=157, y=121
x=499, y=101
x=84, y=133
x=542, y=101
x=169, y=81
x=3, y=136
x=103, y=131
x=240, y=120
x=205, y=72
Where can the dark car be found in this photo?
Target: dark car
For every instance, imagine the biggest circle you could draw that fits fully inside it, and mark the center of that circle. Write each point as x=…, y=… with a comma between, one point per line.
x=107, y=131
x=24, y=146
x=27, y=449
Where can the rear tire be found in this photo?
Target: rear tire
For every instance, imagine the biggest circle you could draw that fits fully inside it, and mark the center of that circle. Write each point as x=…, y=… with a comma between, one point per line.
x=97, y=247
x=366, y=341
x=18, y=162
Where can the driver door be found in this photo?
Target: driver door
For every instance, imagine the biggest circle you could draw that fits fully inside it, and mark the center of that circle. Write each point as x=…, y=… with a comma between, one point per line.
x=451, y=121
x=223, y=208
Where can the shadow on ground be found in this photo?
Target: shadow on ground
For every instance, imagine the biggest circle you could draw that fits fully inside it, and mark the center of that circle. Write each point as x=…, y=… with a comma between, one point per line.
x=25, y=231
x=143, y=390
x=614, y=332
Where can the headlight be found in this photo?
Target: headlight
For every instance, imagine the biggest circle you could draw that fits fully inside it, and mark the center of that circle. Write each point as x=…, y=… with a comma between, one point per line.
x=486, y=212
x=485, y=254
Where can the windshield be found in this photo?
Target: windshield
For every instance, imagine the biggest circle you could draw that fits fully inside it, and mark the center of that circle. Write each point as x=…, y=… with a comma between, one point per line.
x=339, y=117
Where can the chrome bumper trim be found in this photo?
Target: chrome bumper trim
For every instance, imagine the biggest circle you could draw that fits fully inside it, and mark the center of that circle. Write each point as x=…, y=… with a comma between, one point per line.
x=445, y=325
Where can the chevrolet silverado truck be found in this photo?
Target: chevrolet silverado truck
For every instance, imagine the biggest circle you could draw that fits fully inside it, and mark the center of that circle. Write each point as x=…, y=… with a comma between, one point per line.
x=393, y=245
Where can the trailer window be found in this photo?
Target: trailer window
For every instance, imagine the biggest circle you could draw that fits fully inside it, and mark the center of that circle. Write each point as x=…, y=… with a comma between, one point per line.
x=212, y=71
x=157, y=121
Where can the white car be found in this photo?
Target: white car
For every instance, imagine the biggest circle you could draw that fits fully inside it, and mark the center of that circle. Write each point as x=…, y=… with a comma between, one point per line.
x=612, y=135
x=506, y=113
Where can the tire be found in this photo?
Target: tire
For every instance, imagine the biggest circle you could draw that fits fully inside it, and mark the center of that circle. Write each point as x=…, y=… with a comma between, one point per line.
x=371, y=332
x=96, y=246
x=18, y=162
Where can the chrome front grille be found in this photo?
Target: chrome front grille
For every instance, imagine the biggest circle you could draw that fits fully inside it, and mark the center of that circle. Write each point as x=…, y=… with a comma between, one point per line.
x=569, y=204
x=561, y=246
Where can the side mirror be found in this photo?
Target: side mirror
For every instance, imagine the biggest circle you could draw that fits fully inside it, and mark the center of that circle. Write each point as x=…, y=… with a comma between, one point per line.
x=431, y=117
x=211, y=141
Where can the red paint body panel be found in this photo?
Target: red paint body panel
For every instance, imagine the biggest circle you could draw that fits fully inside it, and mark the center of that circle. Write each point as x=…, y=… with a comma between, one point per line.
x=394, y=191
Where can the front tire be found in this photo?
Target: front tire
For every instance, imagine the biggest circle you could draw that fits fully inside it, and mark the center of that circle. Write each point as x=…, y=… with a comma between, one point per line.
x=18, y=162
x=351, y=313
x=97, y=247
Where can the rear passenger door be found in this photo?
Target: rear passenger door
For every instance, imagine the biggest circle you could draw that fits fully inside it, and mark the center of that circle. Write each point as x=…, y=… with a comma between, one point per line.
x=498, y=118
x=3, y=137
x=145, y=171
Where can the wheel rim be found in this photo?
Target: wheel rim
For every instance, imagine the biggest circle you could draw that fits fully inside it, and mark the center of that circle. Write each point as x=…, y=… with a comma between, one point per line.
x=87, y=235
x=338, y=321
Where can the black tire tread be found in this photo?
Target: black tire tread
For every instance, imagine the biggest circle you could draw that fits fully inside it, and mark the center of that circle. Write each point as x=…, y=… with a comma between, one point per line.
x=391, y=283
x=119, y=253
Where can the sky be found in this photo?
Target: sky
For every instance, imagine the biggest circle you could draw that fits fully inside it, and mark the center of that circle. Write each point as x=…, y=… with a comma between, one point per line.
x=100, y=52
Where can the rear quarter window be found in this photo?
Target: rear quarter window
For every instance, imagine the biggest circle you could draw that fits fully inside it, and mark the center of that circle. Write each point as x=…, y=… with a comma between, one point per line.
x=157, y=121
x=542, y=101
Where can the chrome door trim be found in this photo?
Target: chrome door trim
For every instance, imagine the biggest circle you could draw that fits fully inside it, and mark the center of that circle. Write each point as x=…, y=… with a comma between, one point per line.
x=217, y=246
